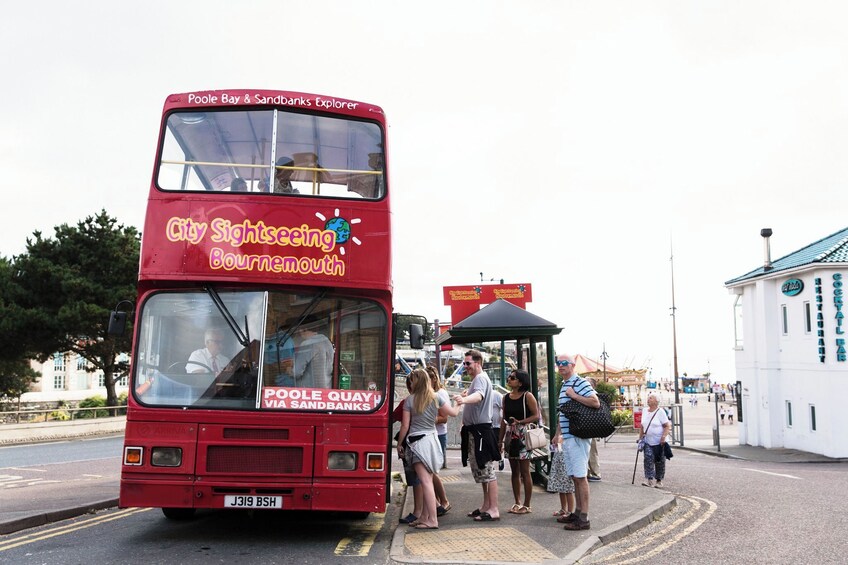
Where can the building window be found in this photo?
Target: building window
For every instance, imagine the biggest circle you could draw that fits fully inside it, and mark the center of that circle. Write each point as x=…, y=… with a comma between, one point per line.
x=80, y=363
x=784, y=317
x=123, y=381
x=737, y=322
x=788, y=414
x=59, y=362
x=808, y=318
x=812, y=417
x=101, y=381
x=59, y=381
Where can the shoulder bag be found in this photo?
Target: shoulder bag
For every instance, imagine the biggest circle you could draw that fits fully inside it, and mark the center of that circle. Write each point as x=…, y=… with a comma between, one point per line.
x=585, y=422
x=534, y=436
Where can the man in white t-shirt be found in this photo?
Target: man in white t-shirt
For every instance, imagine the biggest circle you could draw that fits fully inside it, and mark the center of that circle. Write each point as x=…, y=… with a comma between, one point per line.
x=480, y=449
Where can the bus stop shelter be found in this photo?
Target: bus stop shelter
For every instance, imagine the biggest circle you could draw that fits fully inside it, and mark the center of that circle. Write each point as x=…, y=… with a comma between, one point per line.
x=502, y=321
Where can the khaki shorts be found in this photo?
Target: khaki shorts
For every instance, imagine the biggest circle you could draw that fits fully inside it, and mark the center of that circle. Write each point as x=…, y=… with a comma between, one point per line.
x=481, y=475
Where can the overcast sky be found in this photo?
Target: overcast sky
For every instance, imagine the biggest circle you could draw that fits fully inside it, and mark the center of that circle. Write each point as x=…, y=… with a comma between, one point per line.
x=562, y=144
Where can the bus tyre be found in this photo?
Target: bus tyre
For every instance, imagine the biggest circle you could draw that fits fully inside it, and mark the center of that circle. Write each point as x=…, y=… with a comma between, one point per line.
x=178, y=513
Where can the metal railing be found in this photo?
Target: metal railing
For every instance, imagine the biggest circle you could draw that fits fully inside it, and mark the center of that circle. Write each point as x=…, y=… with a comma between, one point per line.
x=63, y=414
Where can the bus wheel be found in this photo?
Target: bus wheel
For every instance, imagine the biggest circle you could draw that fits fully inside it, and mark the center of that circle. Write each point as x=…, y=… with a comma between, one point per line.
x=178, y=513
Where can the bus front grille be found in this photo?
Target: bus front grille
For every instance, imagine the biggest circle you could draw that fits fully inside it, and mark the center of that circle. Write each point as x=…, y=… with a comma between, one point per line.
x=254, y=459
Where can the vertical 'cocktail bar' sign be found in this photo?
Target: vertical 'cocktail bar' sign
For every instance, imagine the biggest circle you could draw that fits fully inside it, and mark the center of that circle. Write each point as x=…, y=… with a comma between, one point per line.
x=837, y=302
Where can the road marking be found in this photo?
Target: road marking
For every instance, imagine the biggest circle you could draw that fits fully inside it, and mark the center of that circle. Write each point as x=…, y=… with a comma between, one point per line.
x=69, y=528
x=773, y=474
x=26, y=469
x=662, y=534
x=362, y=538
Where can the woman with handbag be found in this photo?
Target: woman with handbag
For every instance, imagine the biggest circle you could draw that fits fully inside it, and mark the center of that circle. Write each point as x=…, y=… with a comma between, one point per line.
x=652, y=435
x=520, y=410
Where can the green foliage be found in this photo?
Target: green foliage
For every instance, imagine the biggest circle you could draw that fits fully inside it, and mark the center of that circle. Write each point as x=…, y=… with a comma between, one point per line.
x=58, y=295
x=622, y=417
x=403, y=322
x=15, y=378
x=609, y=389
x=59, y=415
x=93, y=402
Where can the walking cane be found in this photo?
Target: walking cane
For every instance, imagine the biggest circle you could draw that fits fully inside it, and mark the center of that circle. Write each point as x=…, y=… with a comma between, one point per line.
x=633, y=481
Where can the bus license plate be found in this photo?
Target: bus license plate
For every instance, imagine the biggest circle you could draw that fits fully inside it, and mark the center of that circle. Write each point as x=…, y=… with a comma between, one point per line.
x=251, y=501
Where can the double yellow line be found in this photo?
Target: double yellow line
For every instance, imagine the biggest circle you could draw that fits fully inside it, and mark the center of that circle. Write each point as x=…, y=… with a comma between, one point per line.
x=25, y=539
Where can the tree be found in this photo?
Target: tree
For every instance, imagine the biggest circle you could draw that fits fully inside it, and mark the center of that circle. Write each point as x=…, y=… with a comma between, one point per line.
x=404, y=320
x=15, y=378
x=65, y=287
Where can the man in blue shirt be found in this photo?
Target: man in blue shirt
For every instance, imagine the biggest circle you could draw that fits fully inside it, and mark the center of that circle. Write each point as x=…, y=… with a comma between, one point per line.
x=575, y=387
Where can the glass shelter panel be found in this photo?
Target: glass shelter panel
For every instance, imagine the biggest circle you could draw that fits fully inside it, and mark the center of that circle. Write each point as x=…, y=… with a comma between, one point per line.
x=261, y=350
x=274, y=152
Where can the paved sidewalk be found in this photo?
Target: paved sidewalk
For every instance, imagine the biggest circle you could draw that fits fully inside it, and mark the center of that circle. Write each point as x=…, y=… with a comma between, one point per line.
x=616, y=509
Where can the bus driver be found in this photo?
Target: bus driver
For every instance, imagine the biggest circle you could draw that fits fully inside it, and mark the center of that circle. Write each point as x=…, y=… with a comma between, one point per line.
x=210, y=357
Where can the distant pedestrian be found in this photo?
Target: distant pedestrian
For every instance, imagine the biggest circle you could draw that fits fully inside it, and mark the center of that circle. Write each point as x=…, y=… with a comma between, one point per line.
x=655, y=428
x=730, y=416
x=722, y=411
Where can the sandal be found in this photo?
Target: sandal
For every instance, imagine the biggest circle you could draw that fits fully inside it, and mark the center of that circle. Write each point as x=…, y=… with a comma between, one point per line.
x=523, y=510
x=473, y=513
x=561, y=512
x=515, y=509
x=486, y=517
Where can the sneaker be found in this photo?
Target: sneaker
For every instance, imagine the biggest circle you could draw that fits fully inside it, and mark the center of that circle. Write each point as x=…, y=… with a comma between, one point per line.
x=594, y=478
x=577, y=525
x=648, y=483
x=659, y=484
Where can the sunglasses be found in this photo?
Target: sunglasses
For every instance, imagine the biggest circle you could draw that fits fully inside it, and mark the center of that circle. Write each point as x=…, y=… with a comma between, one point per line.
x=468, y=363
x=564, y=363
x=511, y=378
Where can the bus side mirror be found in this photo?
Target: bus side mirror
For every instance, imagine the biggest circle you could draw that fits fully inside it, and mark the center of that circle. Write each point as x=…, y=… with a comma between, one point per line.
x=117, y=323
x=416, y=336
x=118, y=320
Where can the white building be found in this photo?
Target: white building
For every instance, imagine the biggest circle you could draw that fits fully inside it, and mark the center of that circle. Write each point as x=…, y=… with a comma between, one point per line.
x=790, y=348
x=68, y=377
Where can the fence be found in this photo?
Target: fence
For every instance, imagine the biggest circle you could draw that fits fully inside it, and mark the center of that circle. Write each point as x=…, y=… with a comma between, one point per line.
x=59, y=414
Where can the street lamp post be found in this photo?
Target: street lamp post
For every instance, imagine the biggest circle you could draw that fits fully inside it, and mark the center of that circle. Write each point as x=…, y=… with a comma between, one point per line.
x=674, y=334
x=604, y=358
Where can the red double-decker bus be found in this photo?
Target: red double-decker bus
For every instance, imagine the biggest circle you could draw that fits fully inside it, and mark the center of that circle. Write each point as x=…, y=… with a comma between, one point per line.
x=261, y=372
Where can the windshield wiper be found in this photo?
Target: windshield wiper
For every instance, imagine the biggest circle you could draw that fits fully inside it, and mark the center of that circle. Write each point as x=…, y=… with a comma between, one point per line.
x=242, y=336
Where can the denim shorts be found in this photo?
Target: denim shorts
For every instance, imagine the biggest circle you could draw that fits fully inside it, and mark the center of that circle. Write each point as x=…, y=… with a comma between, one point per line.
x=576, y=456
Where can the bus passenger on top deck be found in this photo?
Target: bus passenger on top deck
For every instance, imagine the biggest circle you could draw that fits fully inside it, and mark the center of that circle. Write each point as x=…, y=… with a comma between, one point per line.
x=313, y=357
x=282, y=177
x=238, y=185
x=209, y=358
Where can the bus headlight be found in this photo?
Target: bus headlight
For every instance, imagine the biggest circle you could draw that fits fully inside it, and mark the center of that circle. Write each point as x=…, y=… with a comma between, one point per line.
x=341, y=461
x=166, y=456
x=133, y=455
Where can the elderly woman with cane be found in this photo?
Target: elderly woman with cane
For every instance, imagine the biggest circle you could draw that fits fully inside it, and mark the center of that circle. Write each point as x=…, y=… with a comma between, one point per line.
x=652, y=435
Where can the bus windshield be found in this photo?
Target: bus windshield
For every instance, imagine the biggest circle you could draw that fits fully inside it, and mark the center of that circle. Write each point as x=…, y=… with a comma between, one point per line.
x=261, y=350
x=271, y=151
